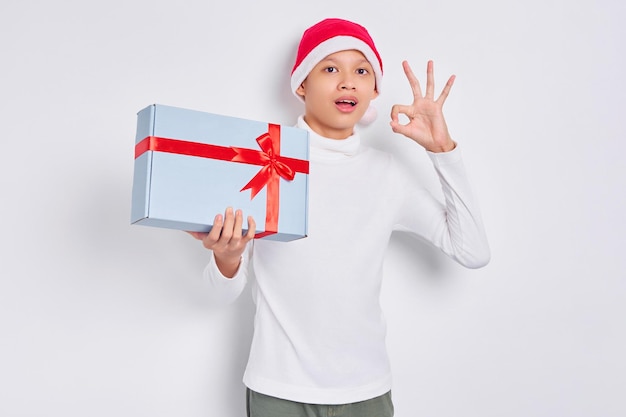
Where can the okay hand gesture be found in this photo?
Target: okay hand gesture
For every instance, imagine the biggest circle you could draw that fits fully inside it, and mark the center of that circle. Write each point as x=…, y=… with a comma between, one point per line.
x=426, y=124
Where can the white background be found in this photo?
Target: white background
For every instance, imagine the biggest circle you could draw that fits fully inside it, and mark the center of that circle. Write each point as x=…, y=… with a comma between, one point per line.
x=100, y=318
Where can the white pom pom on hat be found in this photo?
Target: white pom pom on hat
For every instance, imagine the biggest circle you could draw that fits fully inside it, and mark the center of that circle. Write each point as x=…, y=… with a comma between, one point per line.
x=369, y=116
x=330, y=36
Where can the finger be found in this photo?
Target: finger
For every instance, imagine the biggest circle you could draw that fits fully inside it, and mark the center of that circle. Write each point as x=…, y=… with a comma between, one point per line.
x=413, y=81
x=400, y=128
x=446, y=90
x=430, y=81
x=251, y=229
x=237, y=232
x=229, y=224
x=398, y=109
x=214, y=234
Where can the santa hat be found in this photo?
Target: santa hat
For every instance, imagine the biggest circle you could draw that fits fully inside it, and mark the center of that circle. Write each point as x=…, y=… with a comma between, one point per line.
x=326, y=38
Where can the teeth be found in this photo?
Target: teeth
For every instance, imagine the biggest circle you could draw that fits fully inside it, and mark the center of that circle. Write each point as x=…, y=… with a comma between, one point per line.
x=353, y=103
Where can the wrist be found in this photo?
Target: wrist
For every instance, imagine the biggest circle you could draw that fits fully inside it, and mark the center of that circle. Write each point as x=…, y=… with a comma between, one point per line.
x=227, y=266
x=447, y=147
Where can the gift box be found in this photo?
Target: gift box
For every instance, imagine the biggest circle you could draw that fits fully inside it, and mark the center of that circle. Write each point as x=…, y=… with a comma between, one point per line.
x=192, y=165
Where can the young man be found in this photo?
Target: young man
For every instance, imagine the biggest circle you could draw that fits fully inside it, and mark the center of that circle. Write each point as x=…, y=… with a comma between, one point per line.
x=319, y=338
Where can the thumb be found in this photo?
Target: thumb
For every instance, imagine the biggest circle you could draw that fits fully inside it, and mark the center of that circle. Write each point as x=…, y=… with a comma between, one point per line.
x=197, y=235
x=397, y=127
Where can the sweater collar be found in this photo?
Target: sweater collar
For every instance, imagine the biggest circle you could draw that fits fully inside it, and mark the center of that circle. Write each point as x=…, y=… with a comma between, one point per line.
x=331, y=149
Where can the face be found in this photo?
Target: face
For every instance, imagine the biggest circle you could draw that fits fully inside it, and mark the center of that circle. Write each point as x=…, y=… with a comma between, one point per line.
x=337, y=92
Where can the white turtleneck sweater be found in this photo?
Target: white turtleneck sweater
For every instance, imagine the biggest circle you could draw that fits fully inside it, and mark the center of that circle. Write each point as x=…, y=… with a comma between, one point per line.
x=319, y=332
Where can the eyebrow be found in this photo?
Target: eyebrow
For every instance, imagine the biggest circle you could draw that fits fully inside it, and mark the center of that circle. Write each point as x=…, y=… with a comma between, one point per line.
x=359, y=62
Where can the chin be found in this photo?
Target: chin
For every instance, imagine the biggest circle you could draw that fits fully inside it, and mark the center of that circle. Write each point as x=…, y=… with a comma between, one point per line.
x=352, y=119
x=346, y=123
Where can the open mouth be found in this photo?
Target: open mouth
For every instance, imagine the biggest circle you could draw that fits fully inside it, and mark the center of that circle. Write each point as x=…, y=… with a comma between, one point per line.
x=346, y=102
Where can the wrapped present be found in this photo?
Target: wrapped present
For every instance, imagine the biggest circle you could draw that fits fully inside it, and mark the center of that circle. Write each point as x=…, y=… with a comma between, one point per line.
x=192, y=165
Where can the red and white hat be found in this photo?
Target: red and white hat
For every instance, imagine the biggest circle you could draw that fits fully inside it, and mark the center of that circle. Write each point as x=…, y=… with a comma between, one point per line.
x=326, y=38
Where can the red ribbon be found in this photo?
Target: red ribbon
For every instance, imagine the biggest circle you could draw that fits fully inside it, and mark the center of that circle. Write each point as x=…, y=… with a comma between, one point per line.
x=274, y=165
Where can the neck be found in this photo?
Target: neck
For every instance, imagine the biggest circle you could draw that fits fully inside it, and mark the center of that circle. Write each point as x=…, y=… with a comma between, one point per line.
x=326, y=149
x=327, y=132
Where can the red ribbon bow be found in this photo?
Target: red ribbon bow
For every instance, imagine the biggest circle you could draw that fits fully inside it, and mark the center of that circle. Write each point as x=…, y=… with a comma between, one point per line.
x=268, y=156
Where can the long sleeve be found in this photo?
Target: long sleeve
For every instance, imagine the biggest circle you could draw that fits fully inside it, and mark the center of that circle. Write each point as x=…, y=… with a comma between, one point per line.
x=455, y=227
x=226, y=290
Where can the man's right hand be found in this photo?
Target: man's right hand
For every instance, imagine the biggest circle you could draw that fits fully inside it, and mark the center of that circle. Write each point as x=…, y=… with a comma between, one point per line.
x=226, y=240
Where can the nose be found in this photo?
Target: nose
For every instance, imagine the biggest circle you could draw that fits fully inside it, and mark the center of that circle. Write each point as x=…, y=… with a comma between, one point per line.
x=347, y=83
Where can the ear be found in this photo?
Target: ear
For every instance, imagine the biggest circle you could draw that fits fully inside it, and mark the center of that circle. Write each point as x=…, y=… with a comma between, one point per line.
x=300, y=91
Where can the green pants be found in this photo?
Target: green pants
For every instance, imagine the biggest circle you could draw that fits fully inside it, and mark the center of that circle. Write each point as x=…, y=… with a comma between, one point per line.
x=260, y=405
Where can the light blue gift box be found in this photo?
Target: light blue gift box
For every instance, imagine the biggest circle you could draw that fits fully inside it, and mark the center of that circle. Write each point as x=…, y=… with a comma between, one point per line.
x=192, y=165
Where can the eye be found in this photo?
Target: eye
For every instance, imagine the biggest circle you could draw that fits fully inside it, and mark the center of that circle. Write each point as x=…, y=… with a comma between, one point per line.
x=362, y=71
x=330, y=69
